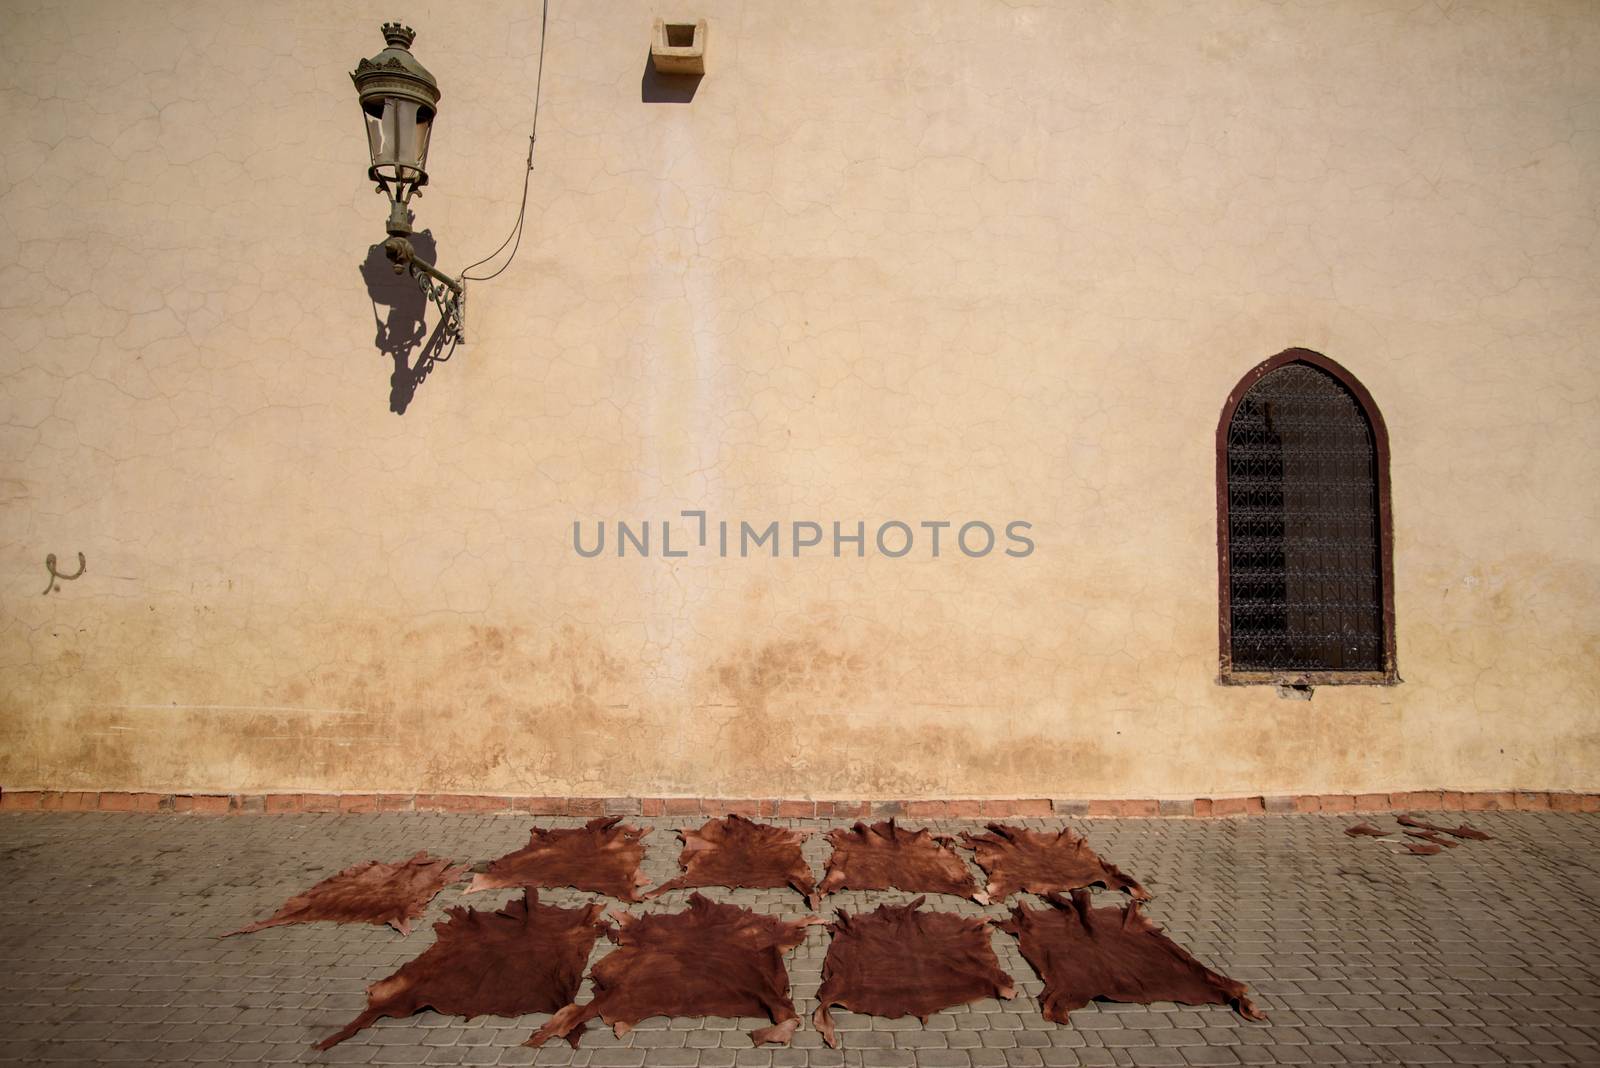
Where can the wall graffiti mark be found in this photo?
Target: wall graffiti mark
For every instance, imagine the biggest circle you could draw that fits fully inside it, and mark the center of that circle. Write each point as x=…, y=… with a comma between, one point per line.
x=55, y=576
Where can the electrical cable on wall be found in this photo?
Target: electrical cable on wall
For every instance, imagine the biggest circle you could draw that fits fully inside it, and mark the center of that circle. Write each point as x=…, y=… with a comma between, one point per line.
x=514, y=238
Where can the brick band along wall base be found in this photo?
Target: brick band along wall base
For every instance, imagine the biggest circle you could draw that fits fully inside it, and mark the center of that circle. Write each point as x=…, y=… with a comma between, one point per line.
x=224, y=804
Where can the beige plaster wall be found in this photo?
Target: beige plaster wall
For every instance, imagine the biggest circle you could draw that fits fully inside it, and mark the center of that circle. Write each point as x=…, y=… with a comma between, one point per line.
x=910, y=261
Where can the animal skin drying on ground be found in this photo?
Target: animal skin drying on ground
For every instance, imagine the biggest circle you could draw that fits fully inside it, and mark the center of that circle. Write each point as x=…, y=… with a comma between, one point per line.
x=525, y=957
x=1118, y=954
x=888, y=857
x=602, y=856
x=896, y=961
x=371, y=892
x=734, y=852
x=708, y=960
x=1042, y=862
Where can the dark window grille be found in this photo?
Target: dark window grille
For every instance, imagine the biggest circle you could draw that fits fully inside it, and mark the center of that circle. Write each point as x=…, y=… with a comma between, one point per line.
x=1305, y=570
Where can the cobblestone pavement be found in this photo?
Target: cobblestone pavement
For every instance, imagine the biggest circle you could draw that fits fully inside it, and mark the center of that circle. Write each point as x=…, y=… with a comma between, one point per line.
x=1486, y=954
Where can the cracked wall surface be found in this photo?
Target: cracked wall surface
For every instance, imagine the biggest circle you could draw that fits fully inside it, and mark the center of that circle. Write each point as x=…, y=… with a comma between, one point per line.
x=894, y=261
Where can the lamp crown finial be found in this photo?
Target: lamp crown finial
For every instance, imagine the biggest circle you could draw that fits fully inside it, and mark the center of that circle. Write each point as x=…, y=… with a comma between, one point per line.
x=398, y=36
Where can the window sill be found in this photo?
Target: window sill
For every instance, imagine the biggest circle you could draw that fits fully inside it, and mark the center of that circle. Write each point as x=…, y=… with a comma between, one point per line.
x=1309, y=678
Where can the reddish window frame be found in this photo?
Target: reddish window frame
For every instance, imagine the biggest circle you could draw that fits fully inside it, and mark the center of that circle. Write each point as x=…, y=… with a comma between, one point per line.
x=1380, y=436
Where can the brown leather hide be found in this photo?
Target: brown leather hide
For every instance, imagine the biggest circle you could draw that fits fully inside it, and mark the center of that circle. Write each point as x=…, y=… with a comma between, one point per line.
x=1422, y=849
x=600, y=857
x=372, y=892
x=886, y=857
x=1366, y=829
x=525, y=957
x=896, y=961
x=1463, y=831
x=1040, y=862
x=735, y=852
x=709, y=960
x=1084, y=953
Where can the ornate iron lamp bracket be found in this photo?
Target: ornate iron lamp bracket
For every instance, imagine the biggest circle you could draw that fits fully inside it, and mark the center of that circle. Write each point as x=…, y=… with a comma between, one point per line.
x=447, y=294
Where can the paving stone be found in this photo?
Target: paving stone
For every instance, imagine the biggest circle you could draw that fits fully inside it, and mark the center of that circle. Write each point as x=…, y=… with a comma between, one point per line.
x=617, y=1058
x=1482, y=955
x=943, y=1058
x=1209, y=1055
x=1157, y=1056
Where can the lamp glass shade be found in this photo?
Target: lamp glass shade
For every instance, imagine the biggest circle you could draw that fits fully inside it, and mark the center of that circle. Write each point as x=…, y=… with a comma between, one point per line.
x=397, y=137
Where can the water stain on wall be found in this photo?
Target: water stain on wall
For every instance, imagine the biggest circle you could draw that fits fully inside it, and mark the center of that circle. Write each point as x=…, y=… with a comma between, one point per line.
x=822, y=705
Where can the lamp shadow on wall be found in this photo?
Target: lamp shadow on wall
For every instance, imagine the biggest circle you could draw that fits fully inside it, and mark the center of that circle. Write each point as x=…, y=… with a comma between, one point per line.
x=657, y=88
x=399, y=313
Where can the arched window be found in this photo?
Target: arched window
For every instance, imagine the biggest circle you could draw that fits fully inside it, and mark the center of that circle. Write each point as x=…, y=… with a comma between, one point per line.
x=1304, y=534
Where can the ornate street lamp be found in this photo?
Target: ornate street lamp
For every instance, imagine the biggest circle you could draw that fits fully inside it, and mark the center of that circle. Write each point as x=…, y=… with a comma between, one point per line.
x=399, y=99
